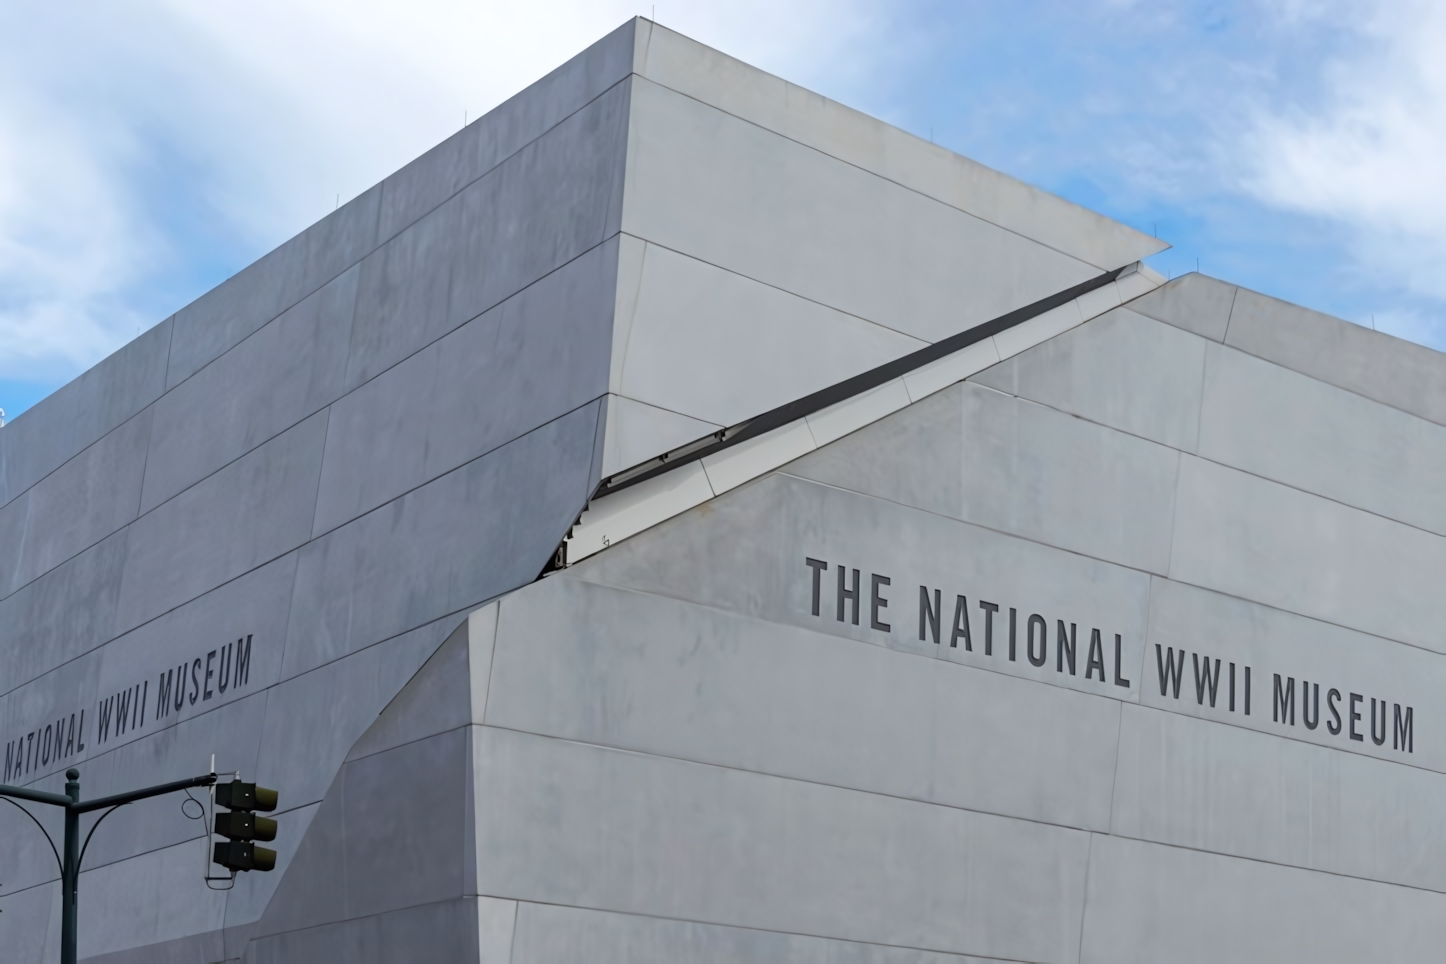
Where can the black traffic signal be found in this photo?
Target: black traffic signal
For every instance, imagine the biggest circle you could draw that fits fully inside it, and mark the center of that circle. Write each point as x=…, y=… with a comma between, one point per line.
x=242, y=826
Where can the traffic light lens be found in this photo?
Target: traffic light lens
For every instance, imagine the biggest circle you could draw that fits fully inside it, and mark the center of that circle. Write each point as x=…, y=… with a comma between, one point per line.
x=265, y=799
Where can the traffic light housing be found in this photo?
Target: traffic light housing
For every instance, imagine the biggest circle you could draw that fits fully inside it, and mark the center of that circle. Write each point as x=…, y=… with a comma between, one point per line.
x=242, y=827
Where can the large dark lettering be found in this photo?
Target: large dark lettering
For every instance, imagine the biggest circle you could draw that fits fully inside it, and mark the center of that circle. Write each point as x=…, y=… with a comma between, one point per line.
x=223, y=678
x=1332, y=698
x=102, y=730
x=163, y=694
x=818, y=566
x=1119, y=680
x=989, y=610
x=1170, y=671
x=852, y=595
x=1356, y=698
x=961, y=626
x=1381, y=739
x=1064, y=648
x=1207, y=681
x=1310, y=705
x=1096, y=658
x=1037, y=620
x=195, y=680
x=242, y=676
x=209, y=673
x=1405, y=738
x=929, y=615
x=1284, y=702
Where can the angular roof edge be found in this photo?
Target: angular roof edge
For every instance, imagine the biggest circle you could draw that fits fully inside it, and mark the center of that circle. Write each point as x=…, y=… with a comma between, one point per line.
x=691, y=68
x=647, y=494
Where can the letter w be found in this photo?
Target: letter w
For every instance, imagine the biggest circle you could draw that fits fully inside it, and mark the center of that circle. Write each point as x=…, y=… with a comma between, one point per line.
x=1171, y=671
x=1213, y=682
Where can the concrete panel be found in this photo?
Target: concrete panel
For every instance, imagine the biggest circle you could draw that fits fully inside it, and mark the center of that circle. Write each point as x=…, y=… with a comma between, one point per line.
x=312, y=887
x=289, y=369
x=31, y=922
x=571, y=935
x=698, y=684
x=1285, y=426
x=1389, y=370
x=721, y=347
x=1070, y=483
x=705, y=183
x=404, y=818
x=544, y=206
x=1152, y=903
x=496, y=927
x=437, y=699
x=1260, y=540
x=1194, y=302
x=83, y=501
x=33, y=714
x=564, y=823
x=748, y=552
x=914, y=457
x=1122, y=370
x=248, y=898
x=462, y=158
x=1227, y=790
x=312, y=720
x=254, y=510
x=637, y=432
x=148, y=899
x=445, y=547
x=67, y=613
x=225, y=315
x=539, y=354
x=770, y=102
x=45, y=436
x=1232, y=634
x=444, y=931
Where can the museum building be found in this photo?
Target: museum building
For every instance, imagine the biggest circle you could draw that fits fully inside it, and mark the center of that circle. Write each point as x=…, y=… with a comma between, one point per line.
x=681, y=518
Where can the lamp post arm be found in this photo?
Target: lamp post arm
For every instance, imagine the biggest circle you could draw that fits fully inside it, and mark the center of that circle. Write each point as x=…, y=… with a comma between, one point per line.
x=39, y=796
x=116, y=800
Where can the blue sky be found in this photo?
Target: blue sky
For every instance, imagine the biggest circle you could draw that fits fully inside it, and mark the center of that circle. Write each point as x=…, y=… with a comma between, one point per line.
x=150, y=151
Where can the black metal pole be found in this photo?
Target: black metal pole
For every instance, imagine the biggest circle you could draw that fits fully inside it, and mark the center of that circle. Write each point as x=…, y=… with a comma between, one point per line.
x=70, y=863
x=70, y=872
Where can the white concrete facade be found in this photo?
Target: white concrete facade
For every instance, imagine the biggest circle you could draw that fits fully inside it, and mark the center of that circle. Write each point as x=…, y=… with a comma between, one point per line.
x=1109, y=634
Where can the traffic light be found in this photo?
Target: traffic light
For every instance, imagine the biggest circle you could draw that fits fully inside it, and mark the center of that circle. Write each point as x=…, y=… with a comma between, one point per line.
x=242, y=826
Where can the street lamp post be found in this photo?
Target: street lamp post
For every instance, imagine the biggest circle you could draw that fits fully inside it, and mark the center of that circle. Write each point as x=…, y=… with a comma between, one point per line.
x=73, y=846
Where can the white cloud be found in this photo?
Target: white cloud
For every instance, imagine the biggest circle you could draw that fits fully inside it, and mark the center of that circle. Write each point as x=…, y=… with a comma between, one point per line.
x=1370, y=155
x=251, y=118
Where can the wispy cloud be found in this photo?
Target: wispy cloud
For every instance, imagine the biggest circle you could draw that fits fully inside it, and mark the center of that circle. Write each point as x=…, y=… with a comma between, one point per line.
x=148, y=152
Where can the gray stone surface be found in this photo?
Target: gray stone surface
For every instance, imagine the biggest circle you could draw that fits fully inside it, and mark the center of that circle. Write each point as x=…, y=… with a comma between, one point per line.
x=567, y=935
x=1285, y=426
x=545, y=205
x=1194, y=302
x=536, y=356
x=49, y=433
x=289, y=369
x=1148, y=902
x=82, y=502
x=1045, y=475
x=772, y=103
x=256, y=509
x=426, y=934
x=1158, y=397
x=702, y=181
x=1227, y=790
x=226, y=314
x=443, y=547
x=440, y=173
x=786, y=855
x=764, y=345
x=1391, y=371
x=66, y=612
x=794, y=703
x=1243, y=535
